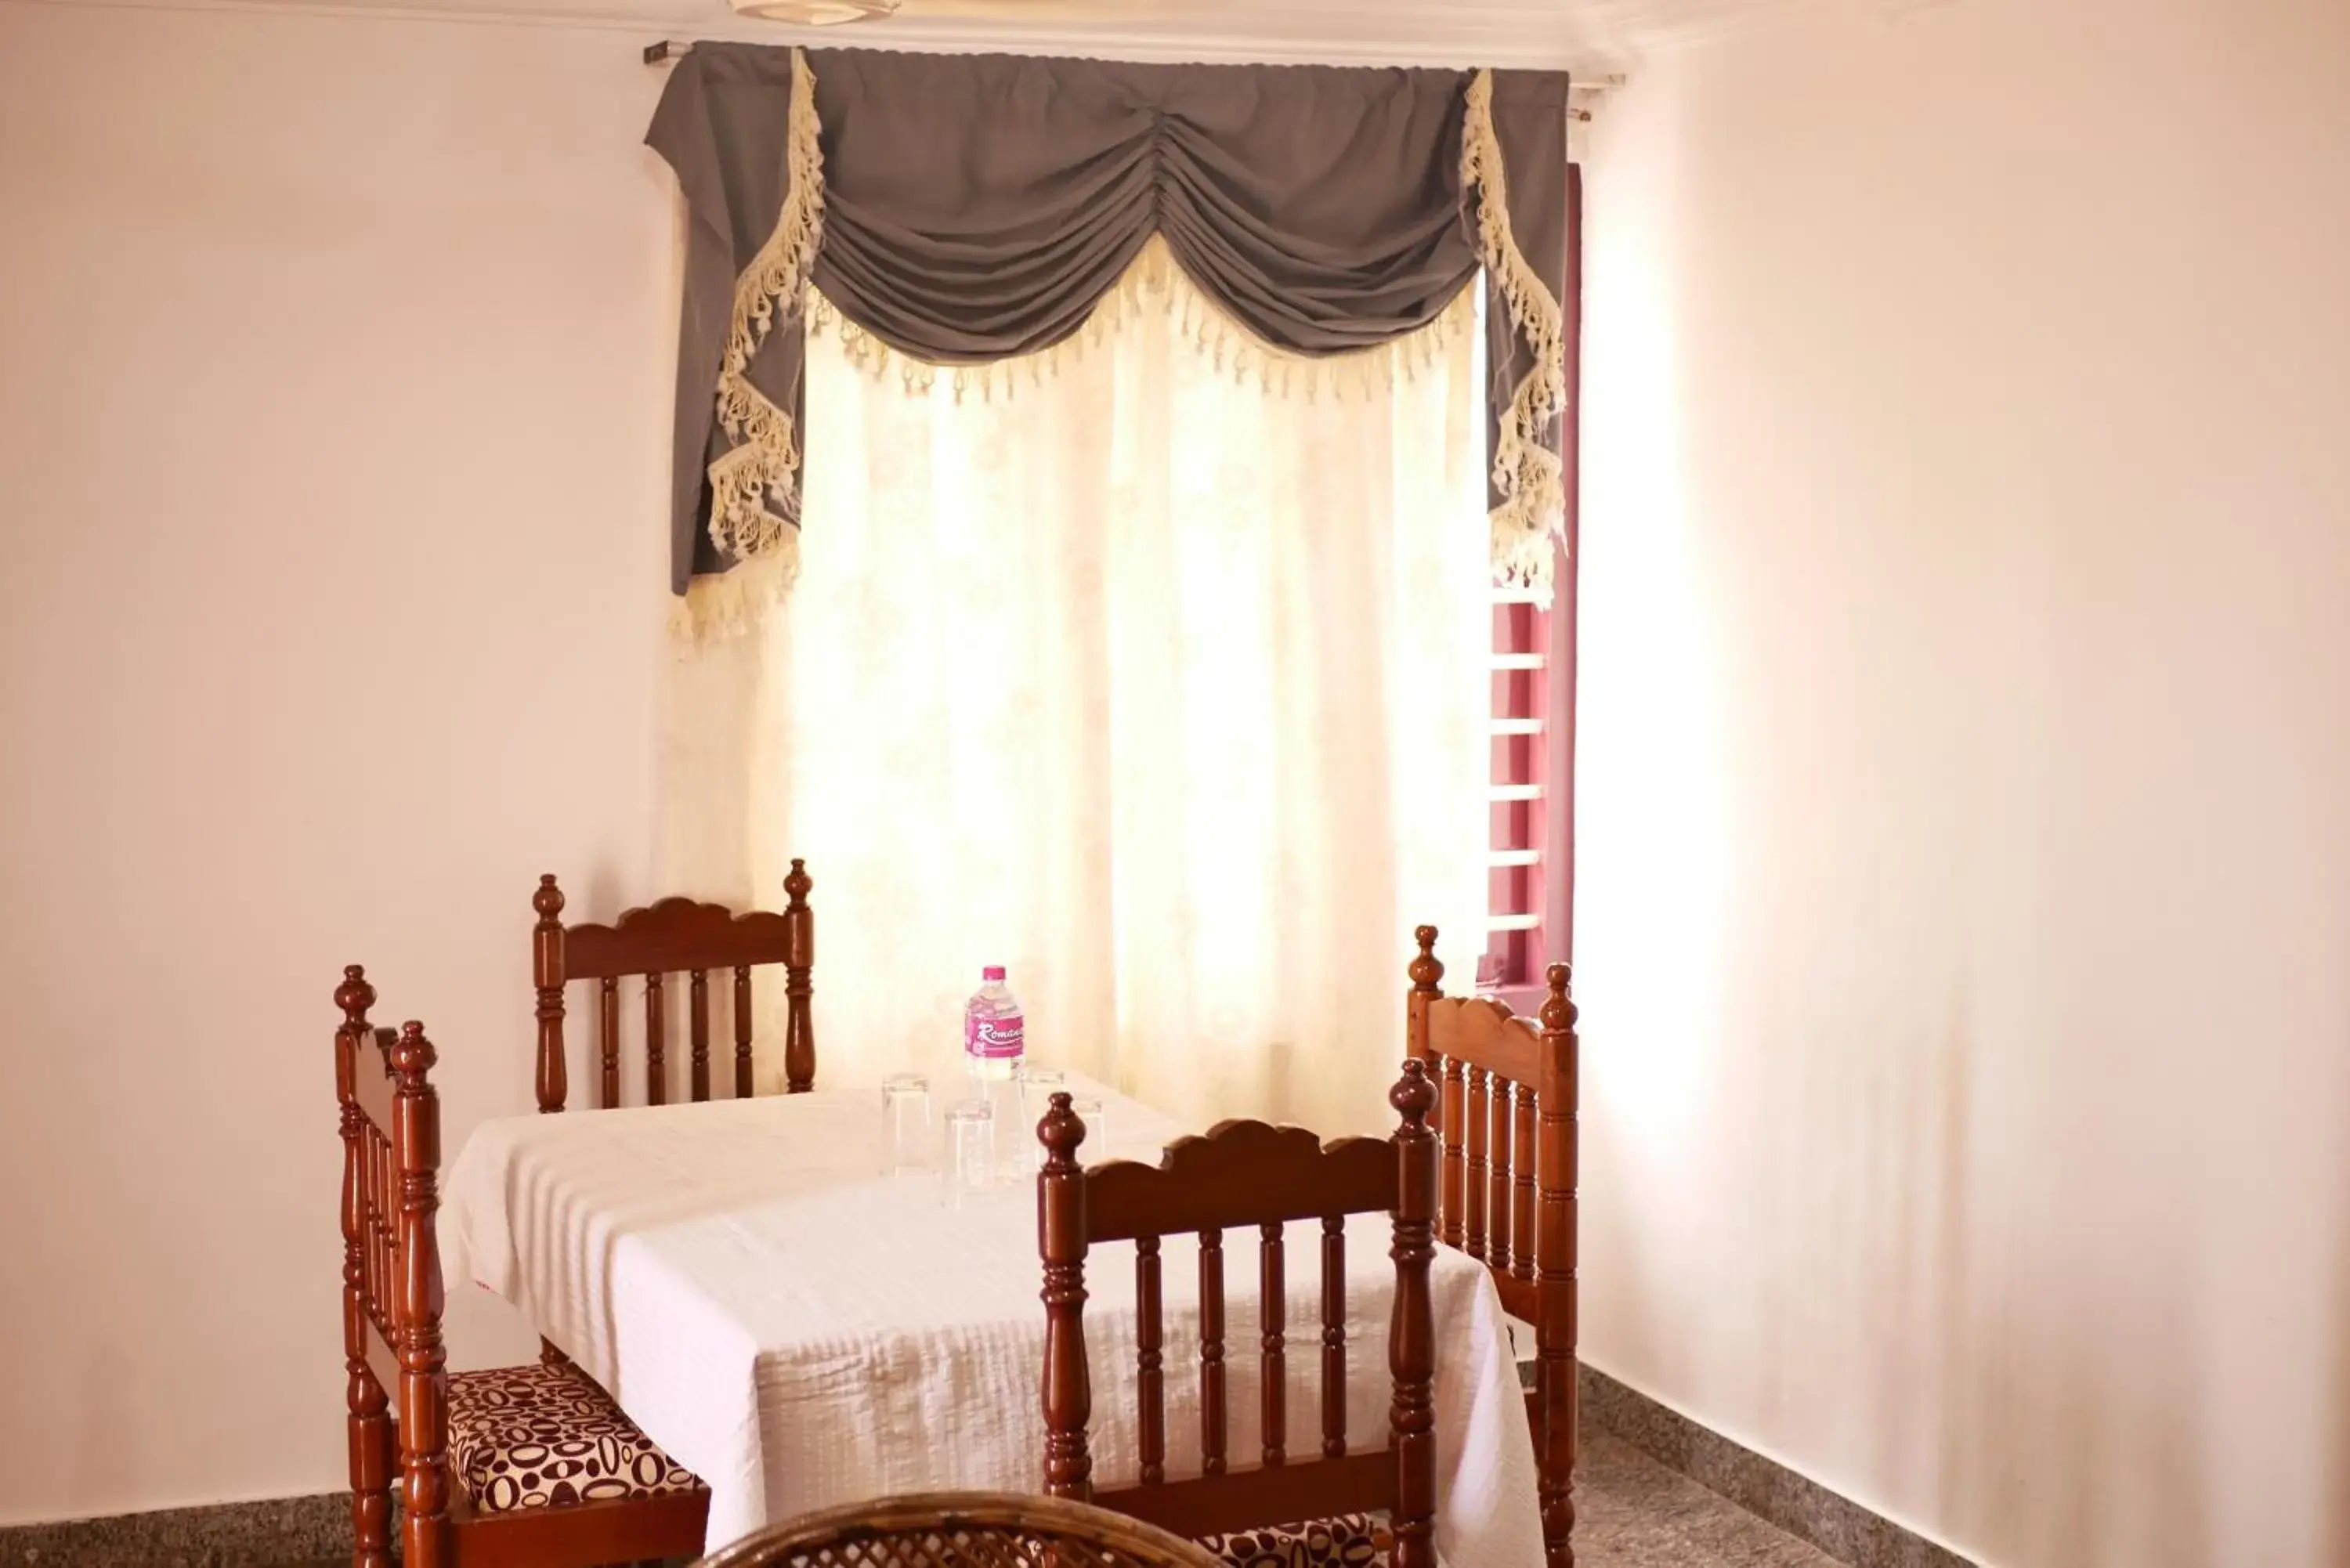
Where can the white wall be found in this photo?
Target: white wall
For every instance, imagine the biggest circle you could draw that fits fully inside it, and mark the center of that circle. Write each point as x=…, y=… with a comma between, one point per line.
x=335, y=363
x=1966, y=796
x=1964, y=934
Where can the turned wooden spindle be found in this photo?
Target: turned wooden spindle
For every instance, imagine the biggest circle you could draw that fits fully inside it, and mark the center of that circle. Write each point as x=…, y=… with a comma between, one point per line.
x=1212, y=1425
x=1475, y=1118
x=1272, y=1359
x=381, y=1210
x=370, y=1422
x=697, y=1019
x=1411, y=1337
x=799, y=1024
x=1061, y=1239
x=546, y=976
x=376, y=1301
x=1149, y=1342
x=1452, y=1114
x=1333, y=1336
x=608, y=1038
x=424, y=1392
x=1499, y=1154
x=656, y=1040
x=743, y=1087
x=1522, y=1199
x=1554, y=1245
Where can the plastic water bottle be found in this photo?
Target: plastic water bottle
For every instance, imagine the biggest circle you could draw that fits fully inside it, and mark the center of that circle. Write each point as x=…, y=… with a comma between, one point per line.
x=994, y=1031
x=994, y=1044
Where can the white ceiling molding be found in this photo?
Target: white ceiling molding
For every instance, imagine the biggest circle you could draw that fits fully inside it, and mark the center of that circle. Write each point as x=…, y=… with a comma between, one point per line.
x=1587, y=38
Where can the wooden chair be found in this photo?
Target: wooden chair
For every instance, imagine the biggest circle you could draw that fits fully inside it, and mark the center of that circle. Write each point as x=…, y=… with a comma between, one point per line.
x=1507, y=1197
x=675, y=936
x=962, y=1529
x=522, y=1465
x=1245, y=1173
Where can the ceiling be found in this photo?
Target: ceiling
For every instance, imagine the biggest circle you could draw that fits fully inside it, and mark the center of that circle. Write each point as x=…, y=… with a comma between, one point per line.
x=1585, y=34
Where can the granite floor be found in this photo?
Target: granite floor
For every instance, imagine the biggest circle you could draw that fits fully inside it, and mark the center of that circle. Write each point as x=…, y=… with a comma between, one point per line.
x=1633, y=1512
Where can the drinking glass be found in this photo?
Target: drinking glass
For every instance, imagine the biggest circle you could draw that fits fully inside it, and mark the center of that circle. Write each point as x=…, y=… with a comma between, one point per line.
x=1037, y=1087
x=907, y=1145
x=971, y=1152
x=1089, y=1110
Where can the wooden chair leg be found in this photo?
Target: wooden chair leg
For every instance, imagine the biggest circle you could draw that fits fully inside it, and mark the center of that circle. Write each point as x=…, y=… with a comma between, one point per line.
x=1556, y=1465
x=1411, y=1334
x=371, y=1473
x=1555, y=1268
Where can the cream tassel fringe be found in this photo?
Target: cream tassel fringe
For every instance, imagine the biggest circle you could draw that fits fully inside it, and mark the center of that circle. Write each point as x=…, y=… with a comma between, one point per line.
x=721, y=605
x=764, y=465
x=1156, y=282
x=1527, y=473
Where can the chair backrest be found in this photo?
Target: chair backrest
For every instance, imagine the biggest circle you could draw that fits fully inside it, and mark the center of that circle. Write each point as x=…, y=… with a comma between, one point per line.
x=391, y=1254
x=1243, y=1174
x=1508, y=1190
x=968, y=1528
x=675, y=936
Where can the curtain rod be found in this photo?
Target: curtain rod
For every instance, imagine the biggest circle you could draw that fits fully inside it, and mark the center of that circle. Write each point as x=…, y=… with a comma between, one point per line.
x=668, y=49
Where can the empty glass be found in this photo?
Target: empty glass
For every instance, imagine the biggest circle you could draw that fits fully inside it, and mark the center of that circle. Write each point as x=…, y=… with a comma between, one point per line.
x=971, y=1152
x=1037, y=1087
x=907, y=1145
x=1095, y=1148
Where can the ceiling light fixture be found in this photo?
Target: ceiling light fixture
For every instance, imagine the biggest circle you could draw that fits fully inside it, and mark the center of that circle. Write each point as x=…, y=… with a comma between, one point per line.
x=816, y=13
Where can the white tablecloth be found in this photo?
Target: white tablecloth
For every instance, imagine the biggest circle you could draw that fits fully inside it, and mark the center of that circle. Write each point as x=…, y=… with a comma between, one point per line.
x=803, y=1332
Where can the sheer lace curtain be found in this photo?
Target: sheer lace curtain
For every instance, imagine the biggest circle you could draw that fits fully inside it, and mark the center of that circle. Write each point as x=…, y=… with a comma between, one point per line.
x=1154, y=669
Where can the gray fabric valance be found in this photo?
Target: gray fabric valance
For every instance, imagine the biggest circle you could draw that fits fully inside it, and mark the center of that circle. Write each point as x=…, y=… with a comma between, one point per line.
x=963, y=209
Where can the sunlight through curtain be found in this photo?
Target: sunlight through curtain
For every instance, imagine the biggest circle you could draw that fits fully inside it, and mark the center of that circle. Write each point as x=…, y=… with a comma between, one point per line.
x=1152, y=667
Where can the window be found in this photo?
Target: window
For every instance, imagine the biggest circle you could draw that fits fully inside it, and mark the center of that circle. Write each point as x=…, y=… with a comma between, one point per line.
x=1529, y=876
x=1531, y=807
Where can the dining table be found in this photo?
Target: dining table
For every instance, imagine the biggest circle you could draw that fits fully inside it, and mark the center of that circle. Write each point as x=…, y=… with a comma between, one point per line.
x=804, y=1329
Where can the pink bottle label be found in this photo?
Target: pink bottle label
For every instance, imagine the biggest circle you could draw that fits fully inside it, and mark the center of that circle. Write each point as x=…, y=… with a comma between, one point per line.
x=994, y=1039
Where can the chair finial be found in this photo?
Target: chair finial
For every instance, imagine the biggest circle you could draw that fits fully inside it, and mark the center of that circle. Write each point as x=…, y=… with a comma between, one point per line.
x=1061, y=1132
x=1558, y=1010
x=1427, y=970
x=548, y=899
x=412, y=1055
x=355, y=995
x=1414, y=1095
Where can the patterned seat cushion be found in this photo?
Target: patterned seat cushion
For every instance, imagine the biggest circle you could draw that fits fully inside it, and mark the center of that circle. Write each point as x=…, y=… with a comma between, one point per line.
x=546, y=1436
x=1349, y=1541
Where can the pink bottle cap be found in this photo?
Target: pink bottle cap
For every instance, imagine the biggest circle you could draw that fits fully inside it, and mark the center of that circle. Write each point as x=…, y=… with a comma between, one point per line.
x=992, y=972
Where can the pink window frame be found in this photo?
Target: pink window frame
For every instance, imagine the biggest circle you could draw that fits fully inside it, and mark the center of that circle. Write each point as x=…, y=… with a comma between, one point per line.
x=1515, y=960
